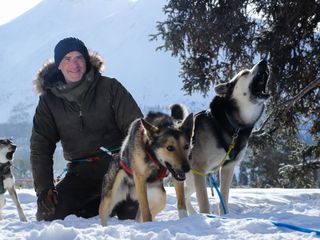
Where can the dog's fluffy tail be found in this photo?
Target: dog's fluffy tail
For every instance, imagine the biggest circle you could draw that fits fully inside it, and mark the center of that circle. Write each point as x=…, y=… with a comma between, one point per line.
x=178, y=112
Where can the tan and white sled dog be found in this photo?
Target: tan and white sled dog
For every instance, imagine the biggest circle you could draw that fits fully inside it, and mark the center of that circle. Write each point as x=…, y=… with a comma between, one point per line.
x=7, y=150
x=154, y=147
x=229, y=121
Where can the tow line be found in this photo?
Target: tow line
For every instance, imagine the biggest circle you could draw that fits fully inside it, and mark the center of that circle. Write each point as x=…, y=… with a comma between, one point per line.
x=276, y=223
x=213, y=182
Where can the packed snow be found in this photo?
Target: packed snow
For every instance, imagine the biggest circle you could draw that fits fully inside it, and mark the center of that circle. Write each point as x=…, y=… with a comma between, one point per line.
x=252, y=213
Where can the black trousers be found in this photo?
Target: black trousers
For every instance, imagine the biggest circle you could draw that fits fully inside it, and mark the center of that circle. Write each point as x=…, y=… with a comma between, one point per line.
x=79, y=193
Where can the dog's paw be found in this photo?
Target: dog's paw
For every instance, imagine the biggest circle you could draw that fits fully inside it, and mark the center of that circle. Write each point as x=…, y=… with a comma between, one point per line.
x=182, y=213
x=23, y=219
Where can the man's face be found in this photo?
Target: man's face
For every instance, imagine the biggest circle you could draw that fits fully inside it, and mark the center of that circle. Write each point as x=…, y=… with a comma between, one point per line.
x=73, y=66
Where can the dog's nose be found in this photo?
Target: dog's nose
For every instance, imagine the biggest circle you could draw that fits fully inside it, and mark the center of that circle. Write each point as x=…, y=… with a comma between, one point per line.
x=185, y=167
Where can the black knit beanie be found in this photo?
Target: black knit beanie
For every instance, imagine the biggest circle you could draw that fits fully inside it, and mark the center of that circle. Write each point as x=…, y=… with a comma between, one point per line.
x=67, y=45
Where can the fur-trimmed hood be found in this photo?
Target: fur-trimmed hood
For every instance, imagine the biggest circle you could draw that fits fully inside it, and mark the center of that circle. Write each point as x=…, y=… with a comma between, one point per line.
x=49, y=76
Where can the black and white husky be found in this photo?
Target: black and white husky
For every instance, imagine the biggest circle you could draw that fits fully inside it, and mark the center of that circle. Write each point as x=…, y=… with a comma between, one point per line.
x=234, y=110
x=7, y=150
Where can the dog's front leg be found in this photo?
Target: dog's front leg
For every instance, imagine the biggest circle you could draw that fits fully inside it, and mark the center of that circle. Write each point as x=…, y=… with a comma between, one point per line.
x=141, y=190
x=201, y=192
x=104, y=209
x=181, y=203
x=226, y=175
x=14, y=196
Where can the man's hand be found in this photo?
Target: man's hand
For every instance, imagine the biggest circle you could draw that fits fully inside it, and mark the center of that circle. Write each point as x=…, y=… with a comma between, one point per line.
x=47, y=200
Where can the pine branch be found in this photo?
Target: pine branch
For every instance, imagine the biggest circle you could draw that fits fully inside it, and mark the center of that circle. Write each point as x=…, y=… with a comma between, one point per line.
x=281, y=111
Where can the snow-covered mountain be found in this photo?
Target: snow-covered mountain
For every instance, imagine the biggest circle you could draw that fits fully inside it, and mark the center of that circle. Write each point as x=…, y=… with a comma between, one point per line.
x=119, y=30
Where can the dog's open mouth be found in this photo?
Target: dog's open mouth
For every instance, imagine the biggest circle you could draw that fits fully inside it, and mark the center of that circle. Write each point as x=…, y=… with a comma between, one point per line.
x=177, y=174
x=10, y=155
x=259, y=84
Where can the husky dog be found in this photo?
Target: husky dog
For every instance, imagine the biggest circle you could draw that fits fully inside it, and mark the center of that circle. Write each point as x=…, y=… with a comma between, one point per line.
x=228, y=122
x=154, y=147
x=7, y=150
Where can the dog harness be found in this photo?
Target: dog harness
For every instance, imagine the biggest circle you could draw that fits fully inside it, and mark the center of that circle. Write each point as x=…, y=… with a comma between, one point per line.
x=231, y=152
x=72, y=164
x=4, y=170
x=163, y=171
x=85, y=160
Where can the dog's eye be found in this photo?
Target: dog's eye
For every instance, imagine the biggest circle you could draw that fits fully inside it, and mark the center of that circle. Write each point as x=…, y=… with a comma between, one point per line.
x=171, y=148
x=186, y=147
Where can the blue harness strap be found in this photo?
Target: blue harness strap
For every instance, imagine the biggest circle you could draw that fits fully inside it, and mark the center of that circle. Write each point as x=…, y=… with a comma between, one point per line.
x=213, y=183
x=76, y=162
x=86, y=160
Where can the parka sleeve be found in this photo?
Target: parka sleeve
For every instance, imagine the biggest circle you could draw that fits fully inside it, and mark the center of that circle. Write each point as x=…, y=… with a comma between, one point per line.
x=42, y=146
x=125, y=107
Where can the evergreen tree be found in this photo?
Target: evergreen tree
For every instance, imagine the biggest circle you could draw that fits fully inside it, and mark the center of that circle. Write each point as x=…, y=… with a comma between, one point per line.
x=215, y=38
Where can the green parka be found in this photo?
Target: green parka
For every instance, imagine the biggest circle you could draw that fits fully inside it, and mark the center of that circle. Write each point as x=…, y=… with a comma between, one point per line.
x=96, y=113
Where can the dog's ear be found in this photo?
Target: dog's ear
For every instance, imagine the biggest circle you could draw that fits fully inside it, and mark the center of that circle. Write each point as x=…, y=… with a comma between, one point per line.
x=221, y=89
x=151, y=129
x=187, y=125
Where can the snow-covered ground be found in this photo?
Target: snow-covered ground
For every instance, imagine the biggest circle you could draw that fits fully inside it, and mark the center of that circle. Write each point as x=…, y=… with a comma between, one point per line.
x=252, y=213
